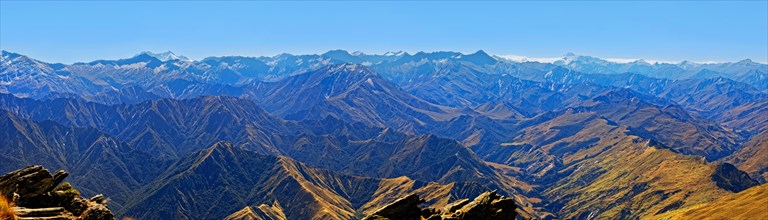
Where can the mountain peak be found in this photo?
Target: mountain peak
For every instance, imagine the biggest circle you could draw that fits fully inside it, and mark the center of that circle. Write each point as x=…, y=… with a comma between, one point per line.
x=746, y=61
x=641, y=62
x=221, y=149
x=10, y=55
x=570, y=58
x=343, y=56
x=397, y=54
x=166, y=56
x=5, y=52
x=479, y=58
x=144, y=56
x=221, y=145
x=337, y=52
x=349, y=68
x=481, y=52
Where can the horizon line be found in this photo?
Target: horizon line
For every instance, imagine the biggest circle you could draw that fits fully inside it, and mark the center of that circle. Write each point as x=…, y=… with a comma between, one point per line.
x=506, y=57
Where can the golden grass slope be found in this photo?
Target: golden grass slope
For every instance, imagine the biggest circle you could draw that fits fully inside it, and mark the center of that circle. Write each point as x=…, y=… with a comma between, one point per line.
x=594, y=168
x=261, y=212
x=748, y=204
x=753, y=157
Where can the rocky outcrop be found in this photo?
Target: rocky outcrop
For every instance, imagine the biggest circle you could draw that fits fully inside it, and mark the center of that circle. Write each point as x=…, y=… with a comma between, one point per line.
x=729, y=177
x=403, y=208
x=489, y=205
x=36, y=193
x=54, y=213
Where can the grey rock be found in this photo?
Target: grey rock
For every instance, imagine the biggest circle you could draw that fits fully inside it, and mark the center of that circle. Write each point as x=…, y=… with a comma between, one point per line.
x=97, y=212
x=44, y=197
x=58, y=178
x=29, y=183
x=98, y=199
x=456, y=205
x=488, y=205
x=405, y=208
x=39, y=212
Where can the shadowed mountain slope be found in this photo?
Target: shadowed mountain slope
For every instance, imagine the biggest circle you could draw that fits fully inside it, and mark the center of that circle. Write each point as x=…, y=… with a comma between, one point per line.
x=98, y=162
x=670, y=125
x=751, y=117
x=752, y=157
x=165, y=127
x=646, y=116
x=244, y=178
x=707, y=96
x=168, y=128
x=349, y=92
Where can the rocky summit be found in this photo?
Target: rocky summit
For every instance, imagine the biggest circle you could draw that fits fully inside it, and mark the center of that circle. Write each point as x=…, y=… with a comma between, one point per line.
x=35, y=193
x=489, y=205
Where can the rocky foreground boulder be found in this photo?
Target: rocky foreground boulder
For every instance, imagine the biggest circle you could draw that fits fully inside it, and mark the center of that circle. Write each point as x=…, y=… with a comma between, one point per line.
x=35, y=193
x=489, y=205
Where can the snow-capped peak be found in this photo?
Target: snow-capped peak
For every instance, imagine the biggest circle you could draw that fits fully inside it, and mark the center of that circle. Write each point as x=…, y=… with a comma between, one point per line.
x=166, y=56
x=746, y=61
x=570, y=58
x=522, y=59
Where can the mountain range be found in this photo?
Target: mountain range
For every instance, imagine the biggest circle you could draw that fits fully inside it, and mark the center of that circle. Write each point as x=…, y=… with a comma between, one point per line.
x=341, y=135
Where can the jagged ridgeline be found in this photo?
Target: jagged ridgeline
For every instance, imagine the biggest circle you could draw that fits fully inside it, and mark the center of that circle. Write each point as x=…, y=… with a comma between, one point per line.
x=440, y=135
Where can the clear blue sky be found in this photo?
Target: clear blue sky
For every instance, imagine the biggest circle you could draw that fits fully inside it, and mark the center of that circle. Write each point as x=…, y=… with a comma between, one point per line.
x=84, y=31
